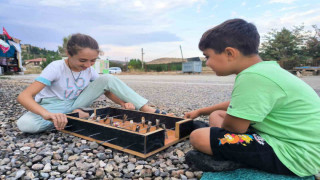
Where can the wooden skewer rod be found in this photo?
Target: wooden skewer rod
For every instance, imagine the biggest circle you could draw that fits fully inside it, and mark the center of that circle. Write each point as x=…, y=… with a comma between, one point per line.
x=77, y=130
x=108, y=140
x=94, y=134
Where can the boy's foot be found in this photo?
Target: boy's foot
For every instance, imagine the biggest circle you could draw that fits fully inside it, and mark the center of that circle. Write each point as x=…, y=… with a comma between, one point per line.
x=197, y=160
x=82, y=114
x=199, y=124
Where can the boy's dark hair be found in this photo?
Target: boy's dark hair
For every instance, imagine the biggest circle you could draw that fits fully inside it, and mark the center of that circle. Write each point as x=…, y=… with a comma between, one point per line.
x=79, y=41
x=236, y=33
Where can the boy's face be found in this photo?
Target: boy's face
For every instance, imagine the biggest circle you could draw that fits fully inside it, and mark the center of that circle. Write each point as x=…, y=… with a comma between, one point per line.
x=217, y=62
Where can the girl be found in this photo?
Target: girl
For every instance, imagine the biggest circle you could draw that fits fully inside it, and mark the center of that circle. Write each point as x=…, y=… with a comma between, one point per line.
x=64, y=86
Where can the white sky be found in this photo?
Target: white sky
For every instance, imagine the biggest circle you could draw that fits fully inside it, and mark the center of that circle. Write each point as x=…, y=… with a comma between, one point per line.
x=123, y=27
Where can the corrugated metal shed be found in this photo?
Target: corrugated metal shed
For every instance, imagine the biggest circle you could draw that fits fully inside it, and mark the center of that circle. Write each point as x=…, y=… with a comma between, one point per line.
x=193, y=65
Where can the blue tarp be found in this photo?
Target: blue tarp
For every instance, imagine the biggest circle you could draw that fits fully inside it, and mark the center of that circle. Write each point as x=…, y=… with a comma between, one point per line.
x=10, y=53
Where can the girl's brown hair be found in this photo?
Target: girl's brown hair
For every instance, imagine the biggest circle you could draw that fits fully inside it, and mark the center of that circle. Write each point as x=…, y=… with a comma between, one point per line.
x=79, y=41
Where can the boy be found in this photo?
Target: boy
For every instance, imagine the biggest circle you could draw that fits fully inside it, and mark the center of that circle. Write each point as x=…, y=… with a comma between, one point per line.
x=282, y=111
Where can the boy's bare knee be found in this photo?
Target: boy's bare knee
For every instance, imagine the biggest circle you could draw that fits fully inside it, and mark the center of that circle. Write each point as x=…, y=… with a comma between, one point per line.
x=197, y=138
x=193, y=137
x=200, y=140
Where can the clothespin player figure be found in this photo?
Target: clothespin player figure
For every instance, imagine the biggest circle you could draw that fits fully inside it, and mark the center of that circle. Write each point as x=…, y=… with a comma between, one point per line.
x=143, y=121
x=165, y=130
x=149, y=126
x=157, y=123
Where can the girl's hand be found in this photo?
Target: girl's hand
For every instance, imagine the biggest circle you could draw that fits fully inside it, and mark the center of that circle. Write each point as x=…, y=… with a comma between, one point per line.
x=59, y=119
x=129, y=106
x=191, y=115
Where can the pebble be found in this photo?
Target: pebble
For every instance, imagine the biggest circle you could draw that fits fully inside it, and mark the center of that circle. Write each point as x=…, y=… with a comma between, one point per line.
x=37, y=167
x=108, y=168
x=63, y=168
x=20, y=173
x=47, y=168
x=56, y=155
x=189, y=174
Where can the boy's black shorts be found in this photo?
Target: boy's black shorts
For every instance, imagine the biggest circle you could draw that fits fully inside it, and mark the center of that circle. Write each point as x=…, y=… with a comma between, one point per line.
x=249, y=149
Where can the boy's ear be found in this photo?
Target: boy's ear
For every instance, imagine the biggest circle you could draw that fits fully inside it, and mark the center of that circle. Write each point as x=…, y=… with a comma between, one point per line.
x=231, y=52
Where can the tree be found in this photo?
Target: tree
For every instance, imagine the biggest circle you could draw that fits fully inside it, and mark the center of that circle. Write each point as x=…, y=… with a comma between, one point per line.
x=284, y=44
x=114, y=64
x=134, y=64
x=313, y=44
x=62, y=49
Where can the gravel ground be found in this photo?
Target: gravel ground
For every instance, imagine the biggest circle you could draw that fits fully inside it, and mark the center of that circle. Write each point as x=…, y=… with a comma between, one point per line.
x=55, y=155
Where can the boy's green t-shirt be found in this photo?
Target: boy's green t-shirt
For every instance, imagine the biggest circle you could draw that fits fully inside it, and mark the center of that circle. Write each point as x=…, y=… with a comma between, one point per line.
x=284, y=110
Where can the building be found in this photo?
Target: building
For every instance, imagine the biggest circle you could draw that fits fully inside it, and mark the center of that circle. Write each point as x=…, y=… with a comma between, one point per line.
x=36, y=62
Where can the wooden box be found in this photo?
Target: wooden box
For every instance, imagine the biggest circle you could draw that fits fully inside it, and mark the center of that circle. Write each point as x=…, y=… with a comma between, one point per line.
x=123, y=135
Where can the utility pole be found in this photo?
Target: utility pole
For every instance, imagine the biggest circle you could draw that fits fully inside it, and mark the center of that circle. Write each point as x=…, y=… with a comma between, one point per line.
x=181, y=53
x=142, y=53
x=126, y=60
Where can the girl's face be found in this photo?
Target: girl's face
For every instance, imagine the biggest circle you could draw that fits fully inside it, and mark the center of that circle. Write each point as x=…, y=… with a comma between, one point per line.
x=83, y=59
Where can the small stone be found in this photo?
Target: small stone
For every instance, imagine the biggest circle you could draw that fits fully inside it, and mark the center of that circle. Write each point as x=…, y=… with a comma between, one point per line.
x=180, y=153
x=101, y=156
x=164, y=174
x=116, y=174
x=30, y=174
x=141, y=162
x=37, y=159
x=44, y=175
x=93, y=145
x=37, y=167
x=189, y=174
x=63, y=168
x=99, y=173
x=47, y=168
x=157, y=173
x=198, y=174
x=118, y=159
x=131, y=167
x=5, y=161
x=20, y=173
x=108, y=151
x=73, y=158
x=183, y=177
x=38, y=144
x=54, y=173
x=139, y=167
x=26, y=148
x=29, y=164
x=108, y=168
x=46, y=160
x=56, y=156
x=102, y=164
x=70, y=176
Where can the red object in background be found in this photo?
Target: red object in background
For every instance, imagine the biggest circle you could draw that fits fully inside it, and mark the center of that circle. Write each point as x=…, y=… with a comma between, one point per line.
x=4, y=49
x=6, y=33
x=15, y=69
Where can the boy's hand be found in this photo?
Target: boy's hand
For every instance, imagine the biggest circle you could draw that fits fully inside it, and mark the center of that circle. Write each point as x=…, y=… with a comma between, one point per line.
x=129, y=106
x=192, y=114
x=59, y=119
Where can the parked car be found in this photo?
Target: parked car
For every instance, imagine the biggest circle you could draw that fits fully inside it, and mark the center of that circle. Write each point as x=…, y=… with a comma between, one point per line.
x=115, y=70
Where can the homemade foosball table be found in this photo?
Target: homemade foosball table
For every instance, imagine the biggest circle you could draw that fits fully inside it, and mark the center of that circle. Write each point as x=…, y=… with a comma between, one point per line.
x=138, y=133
